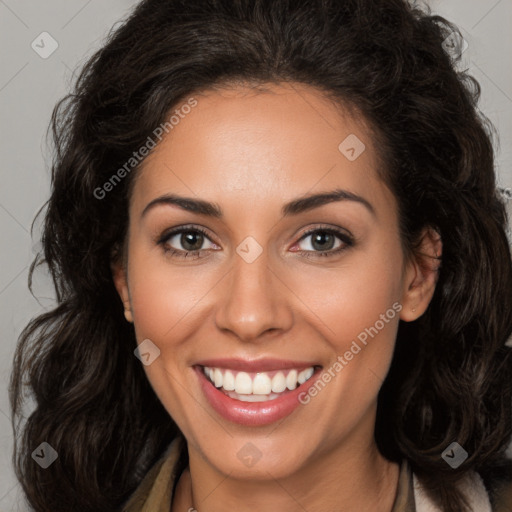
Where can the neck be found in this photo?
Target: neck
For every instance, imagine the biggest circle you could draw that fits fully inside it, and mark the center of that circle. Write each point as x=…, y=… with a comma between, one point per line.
x=357, y=481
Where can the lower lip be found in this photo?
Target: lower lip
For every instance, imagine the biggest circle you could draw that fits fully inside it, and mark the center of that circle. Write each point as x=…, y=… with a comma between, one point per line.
x=252, y=414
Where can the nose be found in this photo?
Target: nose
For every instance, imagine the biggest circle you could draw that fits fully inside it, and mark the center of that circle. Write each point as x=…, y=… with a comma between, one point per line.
x=253, y=300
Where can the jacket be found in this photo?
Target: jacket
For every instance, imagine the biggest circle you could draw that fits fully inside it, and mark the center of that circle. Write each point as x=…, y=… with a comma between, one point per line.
x=154, y=494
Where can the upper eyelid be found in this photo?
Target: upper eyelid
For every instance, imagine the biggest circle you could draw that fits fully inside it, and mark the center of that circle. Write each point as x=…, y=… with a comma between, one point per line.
x=168, y=234
x=337, y=231
x=329, y=229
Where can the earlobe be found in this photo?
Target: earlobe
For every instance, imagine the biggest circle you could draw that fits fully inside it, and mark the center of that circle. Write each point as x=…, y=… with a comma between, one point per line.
x=421, y=275
x=121, y=284
x=128, y=314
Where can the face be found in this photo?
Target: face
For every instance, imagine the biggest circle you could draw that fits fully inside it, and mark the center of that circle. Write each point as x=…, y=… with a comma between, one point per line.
x=266, y=287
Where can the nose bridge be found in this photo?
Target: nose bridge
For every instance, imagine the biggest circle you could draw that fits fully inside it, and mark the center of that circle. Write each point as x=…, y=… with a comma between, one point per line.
x=251, y=301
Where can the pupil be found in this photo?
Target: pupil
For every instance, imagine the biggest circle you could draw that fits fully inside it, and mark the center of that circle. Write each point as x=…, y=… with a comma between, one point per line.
x=191, y=239
x=321, y=238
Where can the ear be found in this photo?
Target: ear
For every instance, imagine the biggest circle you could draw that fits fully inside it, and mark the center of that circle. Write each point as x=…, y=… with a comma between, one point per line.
x=119, y=275
x=421, y=275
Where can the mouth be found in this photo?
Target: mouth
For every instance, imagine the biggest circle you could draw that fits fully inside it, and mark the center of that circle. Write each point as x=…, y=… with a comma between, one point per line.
x=255, y=393
x=257, y=386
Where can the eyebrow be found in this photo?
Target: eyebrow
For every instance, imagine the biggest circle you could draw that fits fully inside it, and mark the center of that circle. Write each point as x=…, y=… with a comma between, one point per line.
x=299, y=205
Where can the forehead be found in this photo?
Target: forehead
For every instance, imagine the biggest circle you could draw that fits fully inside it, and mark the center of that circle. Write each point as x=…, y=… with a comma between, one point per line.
x=261, y=145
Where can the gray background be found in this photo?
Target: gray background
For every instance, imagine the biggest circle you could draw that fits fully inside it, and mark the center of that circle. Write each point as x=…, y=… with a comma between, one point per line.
x=31, y=85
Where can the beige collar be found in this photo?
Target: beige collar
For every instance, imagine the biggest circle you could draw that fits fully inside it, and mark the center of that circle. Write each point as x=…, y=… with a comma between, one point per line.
x=154, y=494
x=472, y=487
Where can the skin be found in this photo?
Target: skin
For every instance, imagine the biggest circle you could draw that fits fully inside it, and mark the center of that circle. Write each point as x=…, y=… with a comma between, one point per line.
x=250, y=152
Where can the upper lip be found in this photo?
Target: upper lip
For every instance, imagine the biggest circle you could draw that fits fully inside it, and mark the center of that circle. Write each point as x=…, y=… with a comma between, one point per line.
x=255, y=365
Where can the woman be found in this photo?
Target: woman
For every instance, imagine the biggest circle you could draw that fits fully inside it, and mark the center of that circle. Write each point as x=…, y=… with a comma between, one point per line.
x=282, y=270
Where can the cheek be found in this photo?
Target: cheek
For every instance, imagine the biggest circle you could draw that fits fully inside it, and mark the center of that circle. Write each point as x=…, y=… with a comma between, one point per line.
x=163, y=295
x=332, y=308
x=341, y=299
x=356, y=309
x=166, y=302
x=346, y=300
x=358, y=317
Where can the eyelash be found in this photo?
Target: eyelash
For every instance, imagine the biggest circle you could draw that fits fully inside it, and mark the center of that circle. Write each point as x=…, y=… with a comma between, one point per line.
x=348, y=241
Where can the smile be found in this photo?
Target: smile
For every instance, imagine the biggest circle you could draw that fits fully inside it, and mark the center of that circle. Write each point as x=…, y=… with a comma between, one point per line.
x=254, y=393
x=257, y=387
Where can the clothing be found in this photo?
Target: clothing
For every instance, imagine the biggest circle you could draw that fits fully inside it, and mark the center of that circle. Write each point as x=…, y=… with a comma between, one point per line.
x=154, y=494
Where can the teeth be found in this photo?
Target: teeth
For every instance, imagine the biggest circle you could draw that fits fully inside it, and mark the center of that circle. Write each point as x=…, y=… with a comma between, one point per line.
x=278, y=382
x=229, y=381
x=304, y=375
x=217, y=378
x=291, y=380
x=243, y=383
x=261, y=386
x=254, y=398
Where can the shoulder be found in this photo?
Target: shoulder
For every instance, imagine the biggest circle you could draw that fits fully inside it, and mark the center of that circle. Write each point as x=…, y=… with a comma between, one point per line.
x=498, y=482
x=156, y=487
x=489, y=490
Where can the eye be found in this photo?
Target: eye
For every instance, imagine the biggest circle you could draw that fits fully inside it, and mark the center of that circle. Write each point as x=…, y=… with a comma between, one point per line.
x=324, y=242
x=188, y=242
x=185, y=241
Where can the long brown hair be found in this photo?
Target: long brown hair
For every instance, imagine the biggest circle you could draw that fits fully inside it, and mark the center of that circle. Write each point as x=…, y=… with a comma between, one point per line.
x=450, y=378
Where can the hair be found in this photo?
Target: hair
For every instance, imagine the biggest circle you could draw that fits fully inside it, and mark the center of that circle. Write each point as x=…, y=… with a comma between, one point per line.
x=450, y=375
